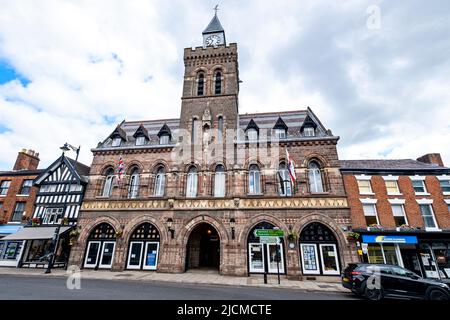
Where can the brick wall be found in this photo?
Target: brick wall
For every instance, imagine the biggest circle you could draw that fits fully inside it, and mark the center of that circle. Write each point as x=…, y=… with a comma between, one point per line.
x=13, y=196
x=383, y=206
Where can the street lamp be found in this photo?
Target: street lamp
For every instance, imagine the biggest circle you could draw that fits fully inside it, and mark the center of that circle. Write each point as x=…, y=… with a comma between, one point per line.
x=55, y=239
x=232, y=225
x=169, y=227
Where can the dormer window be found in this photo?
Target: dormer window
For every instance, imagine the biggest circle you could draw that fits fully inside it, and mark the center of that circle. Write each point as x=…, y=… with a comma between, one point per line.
x=280, y=133
x=116, y=142
x=140, y=141
x=309, y=132
x=252, y=135
x=164, y=139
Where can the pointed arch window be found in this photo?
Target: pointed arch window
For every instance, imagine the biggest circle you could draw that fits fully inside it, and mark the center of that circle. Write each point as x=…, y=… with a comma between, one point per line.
x=200, y=84
x=285, y=188
x=160, y=182
x=191, y=183
x=254, y=180
x=218, y=82
x=133, y=190
x=315, y=177
x=107, y=187
x=219, y=181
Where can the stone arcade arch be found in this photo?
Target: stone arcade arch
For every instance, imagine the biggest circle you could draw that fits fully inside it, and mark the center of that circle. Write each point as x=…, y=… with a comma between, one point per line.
x=264, y=257
x=143, y=247
x=319, y=252
x=100, y=247
x=203, y=248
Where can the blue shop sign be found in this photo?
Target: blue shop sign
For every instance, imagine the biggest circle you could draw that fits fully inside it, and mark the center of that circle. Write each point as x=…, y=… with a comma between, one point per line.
x=9, y=229
x=389, y=239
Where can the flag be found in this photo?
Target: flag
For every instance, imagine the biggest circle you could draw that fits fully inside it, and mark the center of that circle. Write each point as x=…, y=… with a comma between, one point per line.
x=120, y=170
x=291, y=167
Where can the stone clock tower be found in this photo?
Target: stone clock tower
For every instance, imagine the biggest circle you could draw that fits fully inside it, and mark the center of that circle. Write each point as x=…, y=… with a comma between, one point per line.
x=211, y=83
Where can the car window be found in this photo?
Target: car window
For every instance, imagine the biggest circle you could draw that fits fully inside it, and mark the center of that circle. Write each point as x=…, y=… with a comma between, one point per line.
x=401, y=272
x=379, y=269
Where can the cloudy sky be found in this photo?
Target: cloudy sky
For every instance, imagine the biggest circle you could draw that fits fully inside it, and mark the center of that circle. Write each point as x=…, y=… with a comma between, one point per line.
x=377, y=73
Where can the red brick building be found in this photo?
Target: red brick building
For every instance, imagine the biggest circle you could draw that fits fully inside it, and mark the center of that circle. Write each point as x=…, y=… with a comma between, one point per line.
x=17, y=196
x=401, y=209
x=195, y=188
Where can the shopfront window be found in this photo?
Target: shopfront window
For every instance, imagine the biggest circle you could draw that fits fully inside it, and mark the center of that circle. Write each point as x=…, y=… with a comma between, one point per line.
x=10, y=250
x=390, y=254
x=375, y=253
x=441, y=253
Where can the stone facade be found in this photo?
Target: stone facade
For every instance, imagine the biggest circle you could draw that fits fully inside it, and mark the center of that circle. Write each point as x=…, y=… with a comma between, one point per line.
x=211, y=133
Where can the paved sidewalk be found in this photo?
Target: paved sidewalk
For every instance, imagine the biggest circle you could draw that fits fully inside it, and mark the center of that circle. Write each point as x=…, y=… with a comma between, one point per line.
x=188, y=277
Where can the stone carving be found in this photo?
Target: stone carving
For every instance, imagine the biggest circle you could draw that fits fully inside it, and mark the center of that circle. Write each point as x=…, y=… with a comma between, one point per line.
x=285, y=203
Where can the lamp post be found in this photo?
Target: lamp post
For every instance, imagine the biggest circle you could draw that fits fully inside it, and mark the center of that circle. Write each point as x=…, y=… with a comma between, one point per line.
x=169, y=227
x=55, y=239
x=232, y=225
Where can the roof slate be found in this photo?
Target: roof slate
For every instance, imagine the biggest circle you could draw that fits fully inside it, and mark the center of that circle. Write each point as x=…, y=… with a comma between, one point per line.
x=390, y=164
x=214, y=25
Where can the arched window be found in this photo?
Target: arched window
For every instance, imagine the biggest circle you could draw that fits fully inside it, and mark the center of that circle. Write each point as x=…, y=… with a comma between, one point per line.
x=284, y=178
x=160, y=182
x=315, y=177
x=133, y=190
x=218, y=82
x=219, y=181
x=101, y=245
x=194, y=130
x=220, y=129
x=191, y=183
x=318, y=250
x=254, y=180
x=144, y=247
x=107, y=187
x=265, y=257
x=200, y=84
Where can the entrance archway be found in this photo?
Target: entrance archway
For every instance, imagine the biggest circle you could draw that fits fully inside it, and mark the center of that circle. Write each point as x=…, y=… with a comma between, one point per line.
x=319, y=253
x=203, y=248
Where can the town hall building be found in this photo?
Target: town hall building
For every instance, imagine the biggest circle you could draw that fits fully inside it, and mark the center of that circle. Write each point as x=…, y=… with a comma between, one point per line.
x=184, y=194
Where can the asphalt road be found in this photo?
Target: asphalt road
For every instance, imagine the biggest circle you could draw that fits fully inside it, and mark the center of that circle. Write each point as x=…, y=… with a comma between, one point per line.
x=32, y=287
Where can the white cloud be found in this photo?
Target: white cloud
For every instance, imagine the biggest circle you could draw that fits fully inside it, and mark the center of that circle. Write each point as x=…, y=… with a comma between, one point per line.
x=92, y=61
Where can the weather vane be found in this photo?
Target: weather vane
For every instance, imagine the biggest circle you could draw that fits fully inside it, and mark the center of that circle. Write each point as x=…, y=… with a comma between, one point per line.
x=216, y=8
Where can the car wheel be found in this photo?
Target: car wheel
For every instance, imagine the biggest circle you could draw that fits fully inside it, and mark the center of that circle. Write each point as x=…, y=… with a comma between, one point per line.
x=374, y=294
x=437, y=294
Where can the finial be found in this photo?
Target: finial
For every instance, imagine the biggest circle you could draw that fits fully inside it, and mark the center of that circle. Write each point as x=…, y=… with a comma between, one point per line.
x=216, y=8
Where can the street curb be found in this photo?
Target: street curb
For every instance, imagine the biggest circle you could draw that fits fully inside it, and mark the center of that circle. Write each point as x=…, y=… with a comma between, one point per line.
x=272, y=286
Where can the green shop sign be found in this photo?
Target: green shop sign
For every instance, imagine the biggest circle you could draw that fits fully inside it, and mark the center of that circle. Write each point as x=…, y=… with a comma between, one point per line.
x=268, y=233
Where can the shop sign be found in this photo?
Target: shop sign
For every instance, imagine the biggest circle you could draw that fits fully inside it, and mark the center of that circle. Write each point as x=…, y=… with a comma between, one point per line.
x=269, y=233
x=269, y=240
x=389, y=239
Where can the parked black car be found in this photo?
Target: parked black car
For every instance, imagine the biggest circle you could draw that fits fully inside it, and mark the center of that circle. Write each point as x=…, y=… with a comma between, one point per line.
x=376, y=281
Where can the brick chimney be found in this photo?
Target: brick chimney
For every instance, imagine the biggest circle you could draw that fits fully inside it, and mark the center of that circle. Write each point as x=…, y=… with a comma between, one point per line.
x=27, y=160
x=432, y=158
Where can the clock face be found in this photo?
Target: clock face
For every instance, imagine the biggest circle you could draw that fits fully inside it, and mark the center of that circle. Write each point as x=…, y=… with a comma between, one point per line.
x=213, y=40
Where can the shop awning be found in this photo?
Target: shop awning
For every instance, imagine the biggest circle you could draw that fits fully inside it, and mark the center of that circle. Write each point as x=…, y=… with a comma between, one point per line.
x=389, y=239
x=9, y=229
x=36, y=233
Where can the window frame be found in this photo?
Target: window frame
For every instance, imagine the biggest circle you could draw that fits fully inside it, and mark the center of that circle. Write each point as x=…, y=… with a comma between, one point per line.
x=316, y=174
x=252, y=135
x=164, y=139
x=114, y=142
x=428, y=203
x=254, y=180
x=140, y=141
x=15, y=212
x=218, y=82
x=287, y=183
x=192, y=182
x=402, y=208
x=22, y=193
x=309, y=132
x=392, y=180
x=133, y=188
x=4, y=190
x=220, y=177
x=55, y=212
x=109, y=179
x=200, y=80
x=372, y=203
x=416, y=179
x=160, y=182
